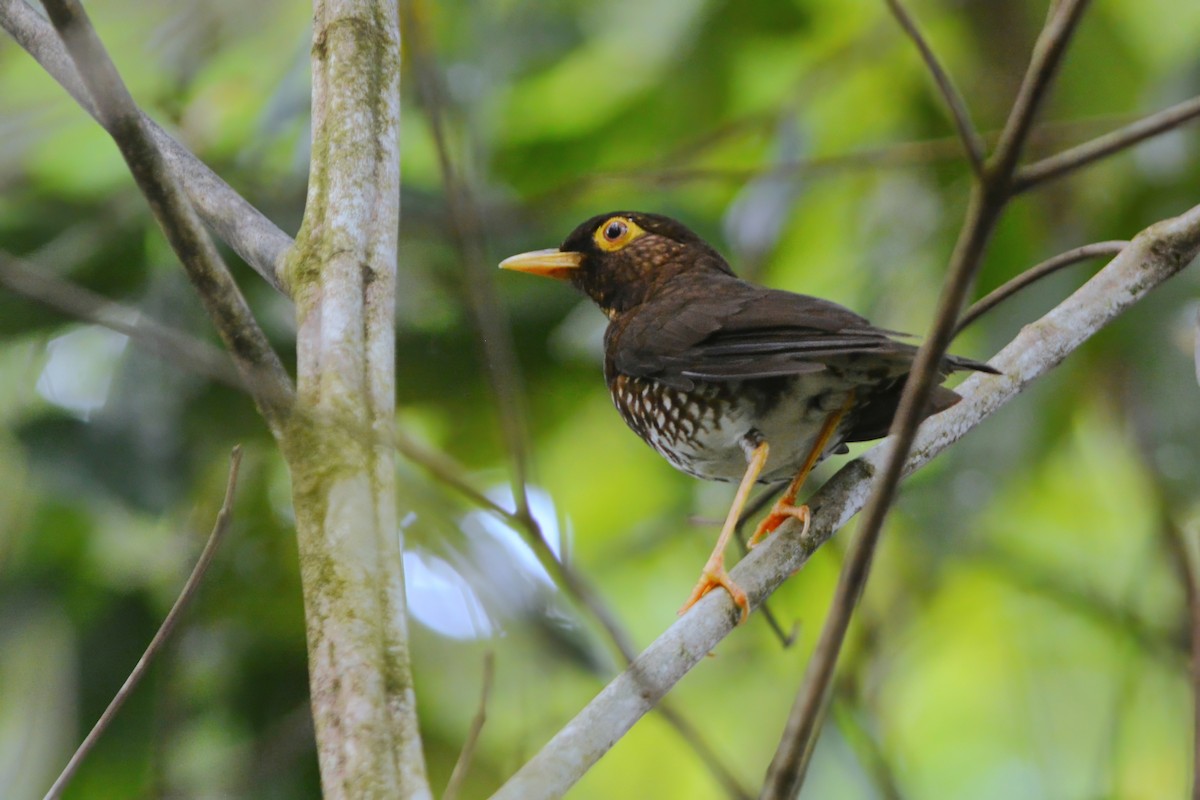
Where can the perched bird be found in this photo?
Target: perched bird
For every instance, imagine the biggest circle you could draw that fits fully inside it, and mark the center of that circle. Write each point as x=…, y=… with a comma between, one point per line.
x=727, y=380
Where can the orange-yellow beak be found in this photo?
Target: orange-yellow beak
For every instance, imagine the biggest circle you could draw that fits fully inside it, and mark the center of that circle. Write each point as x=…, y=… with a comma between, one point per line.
x=551, y=263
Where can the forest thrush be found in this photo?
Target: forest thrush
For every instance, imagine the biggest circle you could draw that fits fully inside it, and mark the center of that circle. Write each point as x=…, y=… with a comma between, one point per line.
x=727, y=380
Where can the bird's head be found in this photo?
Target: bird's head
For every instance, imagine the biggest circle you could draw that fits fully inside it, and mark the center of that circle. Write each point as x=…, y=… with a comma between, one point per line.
x=622, y=258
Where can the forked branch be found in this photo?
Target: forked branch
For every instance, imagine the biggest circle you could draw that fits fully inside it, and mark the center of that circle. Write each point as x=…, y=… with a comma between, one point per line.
x=224, y=517
x=257, y=362
x=259, y=242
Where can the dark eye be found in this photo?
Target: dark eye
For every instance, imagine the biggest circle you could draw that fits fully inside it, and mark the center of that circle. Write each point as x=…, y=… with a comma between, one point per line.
x=614, y=230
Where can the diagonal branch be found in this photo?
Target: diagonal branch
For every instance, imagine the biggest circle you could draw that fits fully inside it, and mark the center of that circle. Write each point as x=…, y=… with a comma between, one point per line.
x=1043, y=64
x=971, y=141
x=458, y=775
x=200, y=358
x=1081, y=155
x=504, y=375
x=79, y=303
x=495, y=336
x=224, y=517
x=989, y=197
x=1034, y=274
x=1155, y=255
x=240, y=225
x=257, y=362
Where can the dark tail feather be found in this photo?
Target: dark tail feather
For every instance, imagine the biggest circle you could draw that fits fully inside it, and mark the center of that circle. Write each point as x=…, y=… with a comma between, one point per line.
x=960, y=362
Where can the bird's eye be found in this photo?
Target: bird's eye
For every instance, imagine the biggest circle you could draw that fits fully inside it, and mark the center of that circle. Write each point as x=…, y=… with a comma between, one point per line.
x=616, y=233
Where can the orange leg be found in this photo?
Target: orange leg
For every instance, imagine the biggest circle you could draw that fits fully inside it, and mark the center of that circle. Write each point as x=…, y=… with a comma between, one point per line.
x=714, y=573
x=785, y=507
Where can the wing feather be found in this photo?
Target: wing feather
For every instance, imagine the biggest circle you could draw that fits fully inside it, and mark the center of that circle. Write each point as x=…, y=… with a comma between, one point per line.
x=722, y=329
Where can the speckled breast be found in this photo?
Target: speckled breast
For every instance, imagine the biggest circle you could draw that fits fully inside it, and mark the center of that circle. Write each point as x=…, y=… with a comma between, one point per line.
x=704, y=431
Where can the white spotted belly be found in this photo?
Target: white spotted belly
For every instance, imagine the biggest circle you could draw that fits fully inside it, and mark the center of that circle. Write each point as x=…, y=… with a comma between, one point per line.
x=708, y=431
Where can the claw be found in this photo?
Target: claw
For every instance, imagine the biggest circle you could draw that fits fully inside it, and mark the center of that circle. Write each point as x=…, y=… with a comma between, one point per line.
x=714, y=575
x=781, y=513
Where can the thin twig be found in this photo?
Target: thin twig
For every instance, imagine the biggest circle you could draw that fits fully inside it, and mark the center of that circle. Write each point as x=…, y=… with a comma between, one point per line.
x=896, y=155
x=581, y=589
x=224, y=517
x=1155, y=255
x=1181, y=557
x=259, y=242
x=1189, y=575
x=972, y=143
x=991, y=193
x=500, y=362
x=1034, y=274
x=1070, y=595
x=786, y=638
x=1055, y=166
x=1043, y=64
x=501, y=365
x=865, y=745
x=197, y=356
x=257, y=361
x=76, y=302
x=458, y=775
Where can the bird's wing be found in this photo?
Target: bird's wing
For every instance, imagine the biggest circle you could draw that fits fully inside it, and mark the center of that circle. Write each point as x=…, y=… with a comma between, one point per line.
x=733, y=330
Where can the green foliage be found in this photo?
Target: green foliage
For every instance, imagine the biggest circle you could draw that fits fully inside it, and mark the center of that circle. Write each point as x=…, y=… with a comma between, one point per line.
x=1022, y=634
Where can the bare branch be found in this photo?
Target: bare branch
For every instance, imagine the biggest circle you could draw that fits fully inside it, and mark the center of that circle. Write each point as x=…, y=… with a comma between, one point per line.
x=240, y=225
x=1182, y=558
x=891, y=156
x=459, y=774
x=504, y=375
x=787, y=770
x=200, y=358
x=989, y=197
x=1043, y=64
x=971, y=141
x=79, y=303
x=224, y=517
x=1081, y=155
x=581, y=589
x=1034, y=274
x=1154, y=256
x=865, y=745
x=495, y=336
x=256, y=360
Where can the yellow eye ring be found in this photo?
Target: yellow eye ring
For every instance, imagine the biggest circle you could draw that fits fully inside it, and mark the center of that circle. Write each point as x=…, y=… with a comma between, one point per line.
x=616, y=233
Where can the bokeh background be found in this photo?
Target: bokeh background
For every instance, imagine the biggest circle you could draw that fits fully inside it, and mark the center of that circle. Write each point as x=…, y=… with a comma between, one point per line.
x=1025, y=630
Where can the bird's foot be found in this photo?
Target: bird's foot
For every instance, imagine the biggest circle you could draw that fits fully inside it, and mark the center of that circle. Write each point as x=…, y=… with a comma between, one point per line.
x=713, y=575
x=779, y=514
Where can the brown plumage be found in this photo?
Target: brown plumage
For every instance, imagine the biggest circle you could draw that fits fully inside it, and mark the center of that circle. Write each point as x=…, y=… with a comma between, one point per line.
x=726, y=379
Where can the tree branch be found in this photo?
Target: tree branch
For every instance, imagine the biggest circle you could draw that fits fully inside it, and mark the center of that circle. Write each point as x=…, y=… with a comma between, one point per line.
x=79, y=303
x=1153, y=256
x=257, y=362
x=495, y=335
x=989, y=197
x=1079, y=156
x=224, y=517
x=1033, y=275
x=1043, y=64
x=240, y=225
x=971, y=141
x=459, y=774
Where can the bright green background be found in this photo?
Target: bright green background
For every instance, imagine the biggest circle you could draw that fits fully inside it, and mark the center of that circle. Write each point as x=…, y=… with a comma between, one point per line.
x=1024, y=633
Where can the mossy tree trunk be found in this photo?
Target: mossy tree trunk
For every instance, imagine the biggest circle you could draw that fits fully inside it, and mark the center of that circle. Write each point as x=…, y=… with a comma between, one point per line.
x=342, y=276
